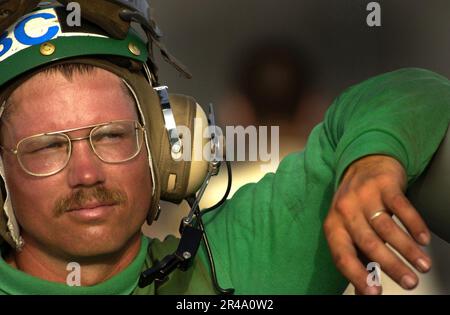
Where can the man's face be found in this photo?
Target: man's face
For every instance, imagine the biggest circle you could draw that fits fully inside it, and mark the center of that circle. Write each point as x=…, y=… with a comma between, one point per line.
x=51, y=102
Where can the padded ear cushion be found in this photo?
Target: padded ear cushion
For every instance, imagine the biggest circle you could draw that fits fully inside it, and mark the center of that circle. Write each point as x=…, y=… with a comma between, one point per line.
x=200, y=153
x=4, y=234
x=12, y=10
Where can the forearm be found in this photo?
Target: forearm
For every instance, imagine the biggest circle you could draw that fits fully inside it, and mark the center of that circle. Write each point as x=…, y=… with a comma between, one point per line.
x=403, y=114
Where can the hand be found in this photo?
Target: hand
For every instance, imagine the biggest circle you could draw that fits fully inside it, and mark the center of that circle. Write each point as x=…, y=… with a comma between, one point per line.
x=369, y=185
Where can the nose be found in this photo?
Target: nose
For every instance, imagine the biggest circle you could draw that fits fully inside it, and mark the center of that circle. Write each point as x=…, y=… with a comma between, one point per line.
x=85, y=169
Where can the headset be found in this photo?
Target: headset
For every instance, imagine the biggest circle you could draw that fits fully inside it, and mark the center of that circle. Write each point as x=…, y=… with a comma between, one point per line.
x=111, y=37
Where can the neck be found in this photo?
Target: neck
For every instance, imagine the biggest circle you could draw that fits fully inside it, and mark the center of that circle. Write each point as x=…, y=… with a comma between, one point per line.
x=93, y=270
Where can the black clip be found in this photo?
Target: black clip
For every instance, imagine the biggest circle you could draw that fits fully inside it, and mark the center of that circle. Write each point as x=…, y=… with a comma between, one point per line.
x=182, y=258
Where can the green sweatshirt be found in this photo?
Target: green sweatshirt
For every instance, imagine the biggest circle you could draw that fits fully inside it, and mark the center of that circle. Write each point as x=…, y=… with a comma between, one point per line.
x=268, y=238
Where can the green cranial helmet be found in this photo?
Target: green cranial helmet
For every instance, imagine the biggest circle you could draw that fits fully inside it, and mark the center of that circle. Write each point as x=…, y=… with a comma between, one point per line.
x=40, y=38
x=28, y=24
x=118, y=36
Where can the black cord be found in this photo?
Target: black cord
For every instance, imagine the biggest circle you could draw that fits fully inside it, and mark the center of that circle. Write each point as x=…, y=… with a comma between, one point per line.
x=212, y=266
x=225, y=196
x=218, y=288
x=199, y=221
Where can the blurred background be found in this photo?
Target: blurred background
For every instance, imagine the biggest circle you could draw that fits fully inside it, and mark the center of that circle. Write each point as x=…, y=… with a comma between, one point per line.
x=209, y=36
x=282, y=62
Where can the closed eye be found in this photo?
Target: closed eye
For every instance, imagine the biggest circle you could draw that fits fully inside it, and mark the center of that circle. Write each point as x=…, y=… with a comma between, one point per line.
x=48, y=147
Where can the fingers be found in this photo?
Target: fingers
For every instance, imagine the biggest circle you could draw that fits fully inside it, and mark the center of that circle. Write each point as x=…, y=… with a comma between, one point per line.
x=371, y=184
x=402, y=208
x=345, y=256
x=391, y=233
x=376, y=250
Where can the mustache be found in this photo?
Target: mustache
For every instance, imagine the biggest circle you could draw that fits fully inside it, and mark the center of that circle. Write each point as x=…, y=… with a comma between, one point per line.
x=78, y=198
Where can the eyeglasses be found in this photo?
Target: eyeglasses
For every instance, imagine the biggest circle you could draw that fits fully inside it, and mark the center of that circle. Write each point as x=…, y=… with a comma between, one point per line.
x=48, y=153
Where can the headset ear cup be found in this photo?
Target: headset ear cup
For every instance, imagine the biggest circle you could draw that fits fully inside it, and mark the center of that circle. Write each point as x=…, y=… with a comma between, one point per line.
x=181, y=178
x=201, y=153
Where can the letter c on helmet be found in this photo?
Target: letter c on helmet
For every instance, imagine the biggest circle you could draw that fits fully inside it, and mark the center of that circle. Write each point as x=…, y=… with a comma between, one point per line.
x=6, y=43
x=22, y=36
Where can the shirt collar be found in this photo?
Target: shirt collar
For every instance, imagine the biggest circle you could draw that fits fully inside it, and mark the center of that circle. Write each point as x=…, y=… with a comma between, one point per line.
x=16, y=282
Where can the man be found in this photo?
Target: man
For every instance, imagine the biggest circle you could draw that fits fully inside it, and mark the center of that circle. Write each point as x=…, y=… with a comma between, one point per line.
x=82, y=141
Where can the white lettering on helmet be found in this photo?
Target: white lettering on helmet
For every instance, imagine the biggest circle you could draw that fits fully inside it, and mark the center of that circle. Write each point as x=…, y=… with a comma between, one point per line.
x=33, y=29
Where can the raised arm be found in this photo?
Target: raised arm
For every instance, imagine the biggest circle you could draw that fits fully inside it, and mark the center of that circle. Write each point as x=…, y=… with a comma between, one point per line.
x=269, y=238
x=384, y=133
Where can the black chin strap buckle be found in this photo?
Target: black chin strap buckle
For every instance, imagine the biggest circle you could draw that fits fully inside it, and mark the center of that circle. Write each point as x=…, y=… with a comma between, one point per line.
x=182, y=258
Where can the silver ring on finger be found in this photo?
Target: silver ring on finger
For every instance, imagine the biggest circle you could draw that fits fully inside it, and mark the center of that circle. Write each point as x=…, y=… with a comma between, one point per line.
x=378, y=213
